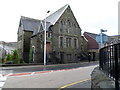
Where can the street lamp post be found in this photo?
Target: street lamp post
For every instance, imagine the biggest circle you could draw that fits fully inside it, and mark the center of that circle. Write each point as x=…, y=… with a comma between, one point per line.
x=45, y=39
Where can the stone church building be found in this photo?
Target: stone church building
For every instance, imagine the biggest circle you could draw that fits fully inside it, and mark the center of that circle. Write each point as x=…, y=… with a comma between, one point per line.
x=64, y=42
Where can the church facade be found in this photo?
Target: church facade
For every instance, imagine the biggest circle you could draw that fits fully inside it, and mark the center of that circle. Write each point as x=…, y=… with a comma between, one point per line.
x=64, y=43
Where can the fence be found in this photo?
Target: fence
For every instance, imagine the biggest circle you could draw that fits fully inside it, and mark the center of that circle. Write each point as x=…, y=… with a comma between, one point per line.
x=110, y=62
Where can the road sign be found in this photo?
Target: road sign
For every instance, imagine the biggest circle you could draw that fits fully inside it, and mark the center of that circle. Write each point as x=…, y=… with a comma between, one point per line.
x=101, y=38
x=104, y=38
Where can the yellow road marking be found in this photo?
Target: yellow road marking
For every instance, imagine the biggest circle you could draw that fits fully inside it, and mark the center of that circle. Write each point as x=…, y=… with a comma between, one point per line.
x=73, y=83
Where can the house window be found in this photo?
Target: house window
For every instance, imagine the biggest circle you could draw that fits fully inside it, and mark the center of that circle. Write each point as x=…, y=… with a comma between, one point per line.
x=41, y=37
x=46, y=34
x=61, y=57
x=75, y=29
x=75, y=56
x=20, y=24
x=61, y=26
x=61, y=42
x=68, y=26
x=49, y=34
x=75, y=43
x=68, y=42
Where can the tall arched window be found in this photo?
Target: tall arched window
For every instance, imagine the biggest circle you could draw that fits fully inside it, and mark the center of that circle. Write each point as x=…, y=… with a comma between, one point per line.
x=75, y=43
x=61, y=42
x=68, y=26
x=61, y=26
x=75, y=29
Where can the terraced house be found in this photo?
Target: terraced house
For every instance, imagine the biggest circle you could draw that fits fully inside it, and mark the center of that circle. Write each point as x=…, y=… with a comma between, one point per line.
x=64, y=41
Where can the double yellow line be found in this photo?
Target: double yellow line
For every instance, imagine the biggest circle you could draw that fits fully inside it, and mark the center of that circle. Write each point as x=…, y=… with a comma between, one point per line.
x=73, y=84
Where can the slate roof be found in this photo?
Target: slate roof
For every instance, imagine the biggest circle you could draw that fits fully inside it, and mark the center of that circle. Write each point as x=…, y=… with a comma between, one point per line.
x=93, y=35
x=114, y=39
x=92, y=44
x=30, y=24
x=111, y=39
x=56, y=15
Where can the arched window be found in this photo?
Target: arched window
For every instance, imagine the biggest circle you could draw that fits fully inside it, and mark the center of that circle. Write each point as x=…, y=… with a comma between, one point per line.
x=75, y=43
x=41, y=37
x=68, y=26
x=61, y=26
x=61, y=42
x=75, y=29
x=68, y=42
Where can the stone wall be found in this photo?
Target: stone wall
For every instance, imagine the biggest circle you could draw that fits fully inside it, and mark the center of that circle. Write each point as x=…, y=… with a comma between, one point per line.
x=67, y=53
x=100, y=80
x=26, y=45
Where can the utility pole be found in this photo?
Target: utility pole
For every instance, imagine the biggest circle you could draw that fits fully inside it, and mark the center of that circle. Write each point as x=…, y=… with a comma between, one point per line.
x=45, y=38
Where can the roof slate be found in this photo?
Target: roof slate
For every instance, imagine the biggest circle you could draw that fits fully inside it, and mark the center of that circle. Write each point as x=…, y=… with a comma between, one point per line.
x=56, y=15
x=92, y=44
x=30, y=24
x=93, y=35
x=111, y=39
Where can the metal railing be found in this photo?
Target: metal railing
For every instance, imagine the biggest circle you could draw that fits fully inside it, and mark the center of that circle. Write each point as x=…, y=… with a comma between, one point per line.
x=110, y=62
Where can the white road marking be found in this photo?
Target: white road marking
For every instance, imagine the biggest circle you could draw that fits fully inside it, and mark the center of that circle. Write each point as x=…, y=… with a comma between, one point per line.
x=2, y=81
x=8, y=75
x=32, y=73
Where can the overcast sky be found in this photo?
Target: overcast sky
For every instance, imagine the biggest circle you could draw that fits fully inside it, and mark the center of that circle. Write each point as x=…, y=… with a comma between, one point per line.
x=92, y=15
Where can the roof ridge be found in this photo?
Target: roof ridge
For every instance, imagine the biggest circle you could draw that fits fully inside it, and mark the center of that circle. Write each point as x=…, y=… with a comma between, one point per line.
x=29, y=18
x=91, y=36
x=91, y=33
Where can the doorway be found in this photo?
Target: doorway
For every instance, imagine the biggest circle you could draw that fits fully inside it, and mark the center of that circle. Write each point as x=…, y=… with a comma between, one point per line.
x=61, y=57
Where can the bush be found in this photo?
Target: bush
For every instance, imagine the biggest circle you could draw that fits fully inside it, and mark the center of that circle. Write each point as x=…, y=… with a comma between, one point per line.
x=9, y=57
x=12, y=58
x=15, y=57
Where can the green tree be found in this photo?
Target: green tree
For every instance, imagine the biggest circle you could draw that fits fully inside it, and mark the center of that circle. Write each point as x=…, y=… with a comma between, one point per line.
x=15, y=56
x=9, y=57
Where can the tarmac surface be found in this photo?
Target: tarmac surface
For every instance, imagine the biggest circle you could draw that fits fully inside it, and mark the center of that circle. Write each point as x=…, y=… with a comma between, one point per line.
x=37, y=68
x=31, y=70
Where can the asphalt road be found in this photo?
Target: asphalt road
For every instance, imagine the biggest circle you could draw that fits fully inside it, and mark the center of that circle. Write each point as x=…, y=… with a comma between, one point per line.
x=82, y=84
x=35, y=68
x=75, y=78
